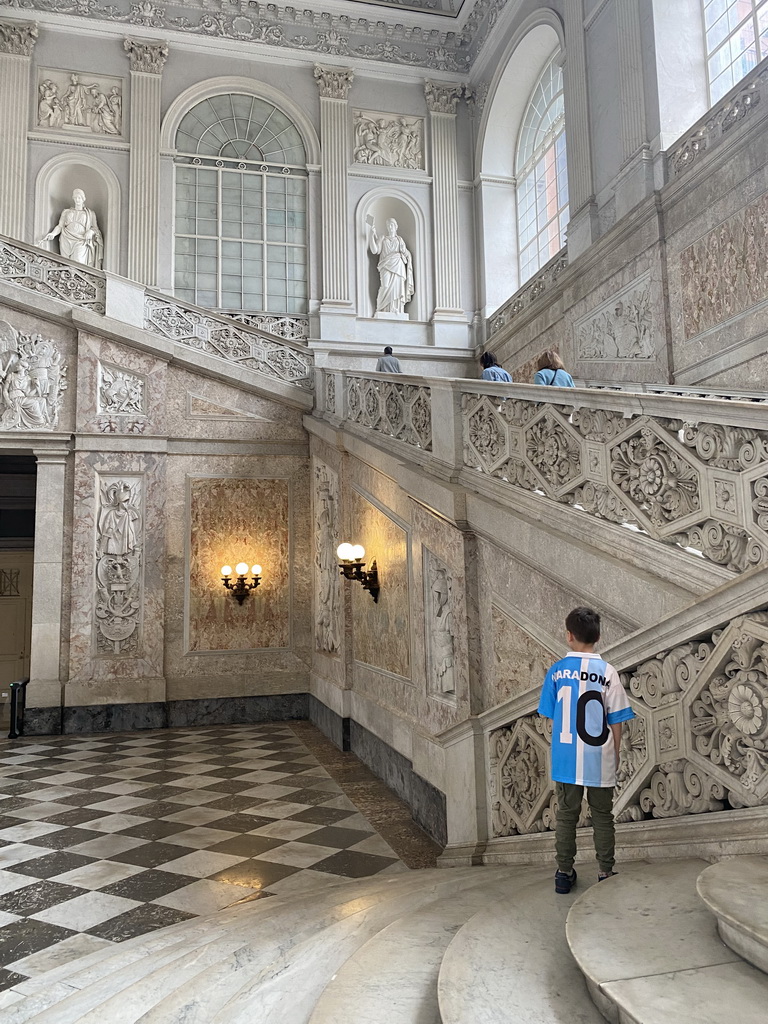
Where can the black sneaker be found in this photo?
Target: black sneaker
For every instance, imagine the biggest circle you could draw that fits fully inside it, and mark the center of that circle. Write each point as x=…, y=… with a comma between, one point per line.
x=606, y=874
x=564, y=881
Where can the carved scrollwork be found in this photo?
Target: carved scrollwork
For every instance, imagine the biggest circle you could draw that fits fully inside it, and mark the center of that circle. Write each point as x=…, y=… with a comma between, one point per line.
x=402, y=411
x=735, y=448
x=290, y=328
x=661, y=680
x=553, y=451
x=520, y=779
x=486, y=434
x=723, y=544
x=657, y=480
x=679, y=787
x=48, y=275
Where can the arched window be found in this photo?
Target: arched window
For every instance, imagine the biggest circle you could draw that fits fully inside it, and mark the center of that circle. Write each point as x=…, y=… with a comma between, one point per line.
x=542, y=174
x=737, y=40
x=241, y=207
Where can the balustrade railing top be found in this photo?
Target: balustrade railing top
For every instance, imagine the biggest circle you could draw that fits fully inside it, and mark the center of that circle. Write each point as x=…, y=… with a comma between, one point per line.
x=687, y=471
x=532, y=290
x=51, y=275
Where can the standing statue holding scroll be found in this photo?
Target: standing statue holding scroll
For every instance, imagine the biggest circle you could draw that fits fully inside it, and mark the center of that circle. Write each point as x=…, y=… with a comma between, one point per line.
x=80, y=238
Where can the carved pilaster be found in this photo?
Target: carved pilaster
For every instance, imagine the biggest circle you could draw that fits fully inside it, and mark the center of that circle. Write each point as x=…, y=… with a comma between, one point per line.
x=442, y=101
x=334, y=85
x=582, y=230
x=17, y=40
x=147, y=59
x=635, y=180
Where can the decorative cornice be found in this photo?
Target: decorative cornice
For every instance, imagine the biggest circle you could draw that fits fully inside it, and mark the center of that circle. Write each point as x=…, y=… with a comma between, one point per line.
x=442, y=97
x=333, y=83
x=18, y=37
x=147, y=55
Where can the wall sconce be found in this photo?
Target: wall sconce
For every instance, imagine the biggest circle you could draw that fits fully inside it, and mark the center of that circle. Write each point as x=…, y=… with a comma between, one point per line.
x=240, y=589
x=351, y=564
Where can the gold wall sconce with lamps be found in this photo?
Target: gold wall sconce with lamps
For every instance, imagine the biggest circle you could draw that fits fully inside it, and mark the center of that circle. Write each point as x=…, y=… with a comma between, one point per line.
x=352, y=565
x=240, y=588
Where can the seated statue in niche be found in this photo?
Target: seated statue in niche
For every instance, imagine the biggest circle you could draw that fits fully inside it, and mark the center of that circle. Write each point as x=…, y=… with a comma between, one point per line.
x=395, y=269
x=79, y=236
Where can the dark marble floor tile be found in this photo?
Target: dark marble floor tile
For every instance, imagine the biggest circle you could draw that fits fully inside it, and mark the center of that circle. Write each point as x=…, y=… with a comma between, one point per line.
x=159, y=793
x=138, y=921
x=36, y=897
x=335, y=836
x=352, y=864
x=16, y=803
x=289, y=768
x=154, y=809
x=76, y=816
x=255, y=874
x=52, y=864
x=246, y=846
x=152, y=855
x=226, y=773
x=155, y=830
x=22, y=938
x=308, y=796
x=232, y=803
x=8, y=979
x=230, y=786
x=148, y=885
x=238, y=822
x=162, y=777
x=62, y=839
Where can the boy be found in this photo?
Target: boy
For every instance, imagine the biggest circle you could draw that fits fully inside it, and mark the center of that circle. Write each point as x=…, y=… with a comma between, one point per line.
x=584, y=697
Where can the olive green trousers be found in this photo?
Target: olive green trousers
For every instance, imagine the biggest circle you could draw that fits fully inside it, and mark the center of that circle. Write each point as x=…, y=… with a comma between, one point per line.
x=600, y=800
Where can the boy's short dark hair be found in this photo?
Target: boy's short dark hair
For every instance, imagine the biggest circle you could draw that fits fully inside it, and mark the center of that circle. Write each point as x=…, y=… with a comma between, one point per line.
x=584, y=623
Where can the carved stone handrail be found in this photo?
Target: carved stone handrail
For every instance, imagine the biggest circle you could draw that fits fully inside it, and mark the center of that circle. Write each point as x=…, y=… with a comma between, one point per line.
x=218, y=335
x=681, y=391
x=289, y=327
x=532, y=290
x=54, y=276
x=399, y=410
x=710, y=130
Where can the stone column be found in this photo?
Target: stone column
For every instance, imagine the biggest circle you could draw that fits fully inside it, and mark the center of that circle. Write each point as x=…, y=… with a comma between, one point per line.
x=442, y=100
x=17, y=40
x=635, y=180
x=334, y=85
x=583, y=224
x=45, y=685
x=147, y=58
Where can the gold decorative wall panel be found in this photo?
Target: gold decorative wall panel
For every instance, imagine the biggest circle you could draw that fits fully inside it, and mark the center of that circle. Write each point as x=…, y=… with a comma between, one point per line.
x=233, y=520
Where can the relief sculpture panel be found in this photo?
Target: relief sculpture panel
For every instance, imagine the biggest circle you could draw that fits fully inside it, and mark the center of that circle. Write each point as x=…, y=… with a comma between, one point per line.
x=32, y=380
x=327, y=577
x=388, y=140
x=67, y=102
x=621, y=328
x=119, y=566
x=724, y=272
x=520, y=662
x=233, y=520
x=440, y=619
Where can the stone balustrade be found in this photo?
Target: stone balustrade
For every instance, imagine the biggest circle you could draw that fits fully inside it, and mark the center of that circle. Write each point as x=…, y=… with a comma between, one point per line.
x=685, y=471
x=533, y=289
x=50, y=275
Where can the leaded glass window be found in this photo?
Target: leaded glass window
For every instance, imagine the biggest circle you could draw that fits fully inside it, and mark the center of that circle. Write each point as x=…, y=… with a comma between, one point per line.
x=241, y=207
x=737, y=40
x=542, y=174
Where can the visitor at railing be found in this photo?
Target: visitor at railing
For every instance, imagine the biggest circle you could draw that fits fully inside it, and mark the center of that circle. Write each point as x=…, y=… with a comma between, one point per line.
x=492, y=370
x=388, y=363
x=550, y=370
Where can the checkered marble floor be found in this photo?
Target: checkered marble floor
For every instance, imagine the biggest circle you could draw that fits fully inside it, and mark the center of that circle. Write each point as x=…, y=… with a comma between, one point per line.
x=106, y=837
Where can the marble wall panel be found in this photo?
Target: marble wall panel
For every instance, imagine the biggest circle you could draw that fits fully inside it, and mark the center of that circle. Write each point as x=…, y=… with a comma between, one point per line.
x=119, y=389
x=520, y=661
x=233, y=520
x=725, y=272
x=328, y=596
x=382, y=630
x=128, y=672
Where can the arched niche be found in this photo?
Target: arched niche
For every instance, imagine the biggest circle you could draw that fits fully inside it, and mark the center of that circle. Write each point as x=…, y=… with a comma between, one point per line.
x=53, y=193
x=528, y=52
x=381, y=204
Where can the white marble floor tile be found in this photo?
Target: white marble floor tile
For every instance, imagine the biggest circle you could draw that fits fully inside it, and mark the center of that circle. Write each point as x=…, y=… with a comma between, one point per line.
x=277, y=809
x=353, y=821
x=36, y=811
x=18, y=852
x=306, y=881
x=50, y=794
x=117, y=804
x=62, y=778
x=28, y=830
x=130, y=773
x=286, y=829
x=197, y=815
x=10, y=881
x=201, y=863
x=342, y=803
x=200, y=838
x=6, y=918
x=114, y=822
x=86, y=911
x=205, y=896
x=63, y=952
x=298, y=855
x=373, y=844
x=194, y=782
x=107, y=846
x=194, y=797
x=98, y=874
x=269, y=791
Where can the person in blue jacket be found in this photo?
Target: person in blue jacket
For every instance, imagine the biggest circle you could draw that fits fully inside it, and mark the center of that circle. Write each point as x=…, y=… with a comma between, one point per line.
x=550, y=370
x=492, y=370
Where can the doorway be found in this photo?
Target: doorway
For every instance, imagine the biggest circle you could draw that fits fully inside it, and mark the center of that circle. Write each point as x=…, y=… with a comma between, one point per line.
x=18, y=480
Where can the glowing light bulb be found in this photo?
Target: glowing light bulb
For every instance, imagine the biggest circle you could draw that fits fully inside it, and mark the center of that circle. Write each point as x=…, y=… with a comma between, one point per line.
x=358, y=552
x=345, y=552
x=256, y=570
x=226, y=570
x=241, y=568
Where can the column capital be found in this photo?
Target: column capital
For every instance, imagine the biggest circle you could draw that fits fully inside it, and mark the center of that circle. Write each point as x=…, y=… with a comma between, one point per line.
x=442, y=97
x=334, y=83
x=18, y=37
x=147, y=55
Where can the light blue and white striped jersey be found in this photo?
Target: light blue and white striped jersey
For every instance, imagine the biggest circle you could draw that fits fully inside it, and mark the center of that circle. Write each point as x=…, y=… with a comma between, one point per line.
x=583, y=696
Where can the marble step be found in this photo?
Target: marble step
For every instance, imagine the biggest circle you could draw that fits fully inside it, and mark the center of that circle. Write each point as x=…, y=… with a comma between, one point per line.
x=736, y=892
x=510, y=963
x=392, y=979
x=650, y=951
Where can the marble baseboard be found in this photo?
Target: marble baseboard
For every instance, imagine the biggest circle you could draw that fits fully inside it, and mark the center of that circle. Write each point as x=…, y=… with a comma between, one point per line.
x=329, y=723
x=165, y=714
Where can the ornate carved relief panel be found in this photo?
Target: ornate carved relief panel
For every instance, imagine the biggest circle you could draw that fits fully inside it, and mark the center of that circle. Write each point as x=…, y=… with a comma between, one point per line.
x=79, y=102
x=388, y=140
x=328, y=594
x=32, y=380
x=620, y=328
x=440, y=625
x=119, y=565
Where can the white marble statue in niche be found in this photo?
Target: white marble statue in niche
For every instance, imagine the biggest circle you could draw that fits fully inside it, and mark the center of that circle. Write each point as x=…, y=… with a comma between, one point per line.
x=440, y=629
x=388, y=141
x=118, y=567
x=395, y=270
x=80, y=106
x=32, y=380
x=79, y=236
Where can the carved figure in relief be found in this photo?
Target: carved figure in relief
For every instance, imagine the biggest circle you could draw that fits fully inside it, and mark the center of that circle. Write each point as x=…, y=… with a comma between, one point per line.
x=441, y=629
x=31, y=381
x=80, y=239
x=115, y=101
x=101, y=113
x=395, y=268
x=49, y=112
x=118, y=521
x=327, y=610
x=118, y=568
x=75, y=102
x=388, y=141
x=623, y=332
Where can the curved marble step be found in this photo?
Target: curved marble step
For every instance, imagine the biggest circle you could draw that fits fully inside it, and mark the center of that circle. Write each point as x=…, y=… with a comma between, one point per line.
x=392, y=979
x=511, y=963
x=650, y=951
x=736, y=892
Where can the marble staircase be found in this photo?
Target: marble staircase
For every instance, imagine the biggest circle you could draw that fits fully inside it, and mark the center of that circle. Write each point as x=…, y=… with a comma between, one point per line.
x=476, y=945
